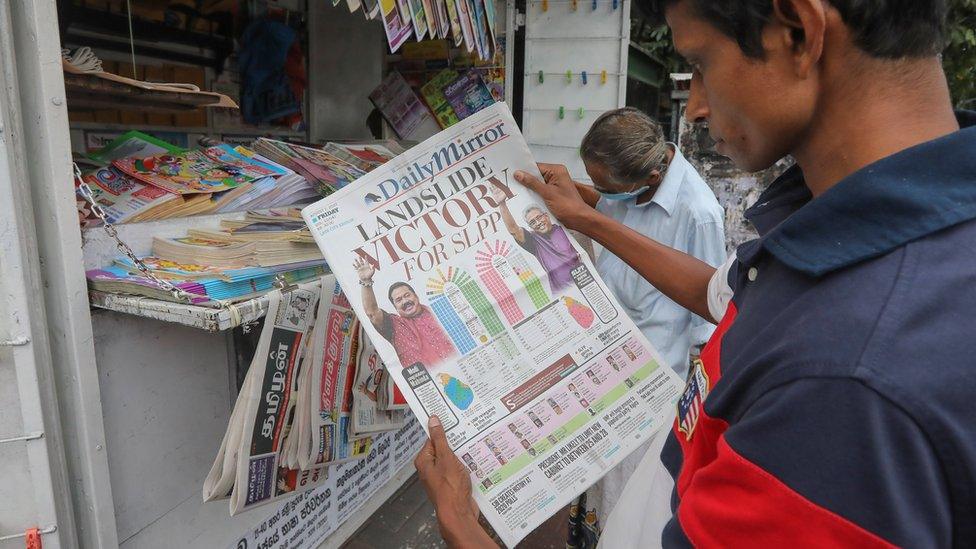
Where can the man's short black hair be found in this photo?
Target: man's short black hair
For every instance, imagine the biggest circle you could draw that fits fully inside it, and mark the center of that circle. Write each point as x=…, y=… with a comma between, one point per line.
x=396, y=285
x=889, y=29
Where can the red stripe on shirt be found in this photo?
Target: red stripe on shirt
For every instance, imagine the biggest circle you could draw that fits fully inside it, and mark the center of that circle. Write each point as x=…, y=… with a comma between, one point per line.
x=700, y=450
x=732, y=502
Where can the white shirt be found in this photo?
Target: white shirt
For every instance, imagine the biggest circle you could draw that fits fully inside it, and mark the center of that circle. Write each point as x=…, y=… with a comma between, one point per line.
x=644, y=505
x=684, y=215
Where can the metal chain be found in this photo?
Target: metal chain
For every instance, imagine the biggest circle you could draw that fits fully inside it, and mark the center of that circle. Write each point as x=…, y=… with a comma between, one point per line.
x=178, y=294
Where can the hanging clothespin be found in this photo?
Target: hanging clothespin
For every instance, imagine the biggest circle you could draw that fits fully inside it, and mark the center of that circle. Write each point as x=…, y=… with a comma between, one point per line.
x=614, y=4
x=583, y=77
x=569, y=77
x=562, y=112
x=545, y=5
x=32, y=537
x=580, y=113
x=594, y=5
x=575, y=5
x=603, y=76
x=542, y=77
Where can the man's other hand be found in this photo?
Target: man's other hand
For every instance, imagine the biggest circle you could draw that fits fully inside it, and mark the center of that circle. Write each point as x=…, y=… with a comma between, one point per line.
x=559, y=192
x=448, y=487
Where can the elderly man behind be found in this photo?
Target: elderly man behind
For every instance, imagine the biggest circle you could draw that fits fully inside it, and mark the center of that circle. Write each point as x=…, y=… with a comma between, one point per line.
x=645, y=183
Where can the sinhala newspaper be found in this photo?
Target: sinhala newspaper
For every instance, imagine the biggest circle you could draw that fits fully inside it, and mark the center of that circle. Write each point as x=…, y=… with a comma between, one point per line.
x=488, y=314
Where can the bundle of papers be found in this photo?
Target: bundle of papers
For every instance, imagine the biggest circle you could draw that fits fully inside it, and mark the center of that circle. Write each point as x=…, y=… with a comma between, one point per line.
x=122, y=277
x=199, y=247
x=292, y=417
x=324, y=170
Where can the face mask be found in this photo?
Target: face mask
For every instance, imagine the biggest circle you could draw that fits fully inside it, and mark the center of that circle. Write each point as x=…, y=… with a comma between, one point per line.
x=623, y=196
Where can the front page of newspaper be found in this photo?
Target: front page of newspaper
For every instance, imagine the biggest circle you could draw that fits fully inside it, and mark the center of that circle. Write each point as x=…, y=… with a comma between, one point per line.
x=488, y=314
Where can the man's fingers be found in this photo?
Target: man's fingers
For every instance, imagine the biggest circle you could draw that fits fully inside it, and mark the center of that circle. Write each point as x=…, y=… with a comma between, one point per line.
x=437, y=436
x=425, y=458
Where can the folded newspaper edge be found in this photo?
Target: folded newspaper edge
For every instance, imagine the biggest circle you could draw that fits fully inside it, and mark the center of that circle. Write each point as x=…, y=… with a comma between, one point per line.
x=292, y=417
x=487, y=314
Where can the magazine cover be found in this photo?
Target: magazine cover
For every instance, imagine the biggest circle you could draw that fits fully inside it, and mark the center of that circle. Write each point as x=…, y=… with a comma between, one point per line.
x=122, y=197
x=488, y=314
x=467, y=27
x=468, y=94
x=397, y=27
x=454, y=21
x=434, y=96
x=399, y=105
x=190, y=172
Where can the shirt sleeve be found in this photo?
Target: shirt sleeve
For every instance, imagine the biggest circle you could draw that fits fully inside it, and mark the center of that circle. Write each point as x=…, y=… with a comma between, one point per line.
x=817, y=462
x=529, y=243
x=719, y=290
x=706, y=242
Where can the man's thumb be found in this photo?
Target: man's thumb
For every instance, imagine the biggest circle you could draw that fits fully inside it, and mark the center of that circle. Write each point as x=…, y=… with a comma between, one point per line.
x=438, y=437
x=529, y=180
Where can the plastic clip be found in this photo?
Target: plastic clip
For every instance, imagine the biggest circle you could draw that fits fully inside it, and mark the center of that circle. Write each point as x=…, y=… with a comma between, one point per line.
x=569, y=77
x=575, y=5
x=594, y=5
x=583, y=77
x=614, y=4
x=603, y=76
x=579, y=113
x=562, y=113
x=545, y=5
x=542, y=77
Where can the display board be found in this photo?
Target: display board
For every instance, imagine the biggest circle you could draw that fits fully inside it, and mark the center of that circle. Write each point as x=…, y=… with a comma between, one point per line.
x=573, y=36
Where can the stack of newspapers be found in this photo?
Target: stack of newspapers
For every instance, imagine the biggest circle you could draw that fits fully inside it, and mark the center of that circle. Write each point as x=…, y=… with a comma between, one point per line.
x=309, y=400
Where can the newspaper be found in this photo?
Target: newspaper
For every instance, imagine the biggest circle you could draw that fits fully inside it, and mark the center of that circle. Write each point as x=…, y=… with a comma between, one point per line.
x=372, y=393
x=326, y=402
x=487, y=314
x=249, y=467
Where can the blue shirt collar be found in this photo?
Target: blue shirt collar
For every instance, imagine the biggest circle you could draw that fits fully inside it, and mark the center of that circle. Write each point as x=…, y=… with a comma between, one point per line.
x=887, y=204
x=666, y=195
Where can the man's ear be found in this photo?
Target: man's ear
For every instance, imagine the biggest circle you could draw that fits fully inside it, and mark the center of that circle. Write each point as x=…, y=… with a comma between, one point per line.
x=654, y=179
x=804, y=24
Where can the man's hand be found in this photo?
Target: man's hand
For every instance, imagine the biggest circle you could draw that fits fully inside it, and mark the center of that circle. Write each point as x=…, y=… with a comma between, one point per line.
x=559, y=192
x=497, y=193
x=448, y=487
x=363, y=269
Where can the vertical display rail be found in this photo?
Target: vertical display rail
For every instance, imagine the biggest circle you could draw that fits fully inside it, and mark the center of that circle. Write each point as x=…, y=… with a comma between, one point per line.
x=74, y=484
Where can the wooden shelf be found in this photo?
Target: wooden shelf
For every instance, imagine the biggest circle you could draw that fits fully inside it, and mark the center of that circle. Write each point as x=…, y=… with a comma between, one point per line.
x=90, y=92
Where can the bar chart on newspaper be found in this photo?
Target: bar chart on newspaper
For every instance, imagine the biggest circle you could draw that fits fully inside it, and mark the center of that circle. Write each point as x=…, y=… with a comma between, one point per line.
x=488, y=314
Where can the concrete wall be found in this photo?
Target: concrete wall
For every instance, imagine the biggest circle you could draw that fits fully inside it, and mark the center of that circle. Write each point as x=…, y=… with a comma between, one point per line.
x=345, y=63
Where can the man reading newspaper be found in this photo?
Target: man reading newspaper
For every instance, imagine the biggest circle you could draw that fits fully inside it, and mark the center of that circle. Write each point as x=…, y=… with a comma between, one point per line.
x=833, y=406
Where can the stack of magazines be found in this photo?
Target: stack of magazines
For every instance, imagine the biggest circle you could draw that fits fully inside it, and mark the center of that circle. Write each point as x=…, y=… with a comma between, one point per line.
x=139, y=178
x=237, y=261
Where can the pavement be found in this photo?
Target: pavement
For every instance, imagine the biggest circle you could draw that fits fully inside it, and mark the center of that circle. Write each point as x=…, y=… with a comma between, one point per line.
x=407, y=521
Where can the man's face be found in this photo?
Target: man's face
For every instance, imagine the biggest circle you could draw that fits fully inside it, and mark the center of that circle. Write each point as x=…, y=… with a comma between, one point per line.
x=405, y=302
x=757, y=110
x=539, y=221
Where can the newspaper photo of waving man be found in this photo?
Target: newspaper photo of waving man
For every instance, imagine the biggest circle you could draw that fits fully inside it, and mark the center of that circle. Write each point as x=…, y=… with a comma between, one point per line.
x=413, y=330
x=547, y=241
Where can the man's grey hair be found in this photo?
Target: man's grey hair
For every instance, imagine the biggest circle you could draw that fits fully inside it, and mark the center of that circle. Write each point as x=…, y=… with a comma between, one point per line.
x=628, y=143
x=529, y=209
